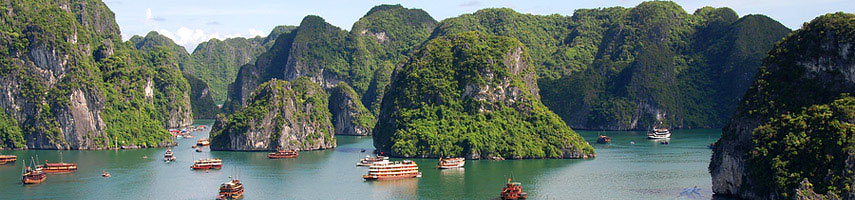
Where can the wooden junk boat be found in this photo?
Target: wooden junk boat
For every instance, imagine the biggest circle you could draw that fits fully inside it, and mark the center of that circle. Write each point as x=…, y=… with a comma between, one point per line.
x=386, y=170
x=33, y=176
x=211, y=163
x=60, y=167
x=450, y=163
x=282, y=153
x=7, y=159
x=168, y=156
x=368, y=160
x=602, y=139
x=202, y=142
x=512, y=191
x=231, y=190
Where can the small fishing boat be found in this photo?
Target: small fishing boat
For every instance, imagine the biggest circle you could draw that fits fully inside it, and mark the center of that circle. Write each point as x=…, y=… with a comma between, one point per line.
x=512, y=191
x=7, y=159
x=203, y=142
x=386, y=170
x=368, y=160
x=282, y=153
x=450, y=163
x=602, y=139
x=207, y=164
x=168, y=156
x=33, y=176
x=231, y=190
x=105, y=174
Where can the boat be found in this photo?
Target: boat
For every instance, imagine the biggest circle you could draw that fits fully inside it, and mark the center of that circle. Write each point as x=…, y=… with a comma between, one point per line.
x=33, y=176
x=450, y=163
x=281, y=153
x=207, y=164
x=105, y=174
x=199, y=149
x=602, y=139
x=387, y=170
x=59, y=167
x=368, y=160
x=168, y=156
x=231, y=190
x=513, y=190
x=202, y=142
x=7, y=159
x=658, y=133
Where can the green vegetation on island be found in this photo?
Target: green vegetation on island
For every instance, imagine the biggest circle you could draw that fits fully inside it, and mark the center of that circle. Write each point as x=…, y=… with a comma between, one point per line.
x=793, y=130
x=471, y=94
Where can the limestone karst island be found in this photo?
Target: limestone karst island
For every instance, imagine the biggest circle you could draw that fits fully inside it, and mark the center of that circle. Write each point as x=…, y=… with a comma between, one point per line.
x=467, y=99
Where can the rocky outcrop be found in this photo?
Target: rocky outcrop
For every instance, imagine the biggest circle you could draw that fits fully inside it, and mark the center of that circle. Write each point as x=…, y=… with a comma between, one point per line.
x=349, y=116
x=69, y=82
x=328, y=55
x=812, y=66
x=471, y=94
x=200, y=98
x=280, y=114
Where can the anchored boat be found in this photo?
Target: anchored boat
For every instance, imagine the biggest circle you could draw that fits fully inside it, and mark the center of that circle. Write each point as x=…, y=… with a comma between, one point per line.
x=512, y=191
x=281, y=153
x=450, y=163
x=386, y=170
x=231, y=190
x=32, y=176
x=658, y=133
x=203, y=142
x=168, y=156
x=368, y=160
x=7, y=159
x=207, y=164
x=602, y=139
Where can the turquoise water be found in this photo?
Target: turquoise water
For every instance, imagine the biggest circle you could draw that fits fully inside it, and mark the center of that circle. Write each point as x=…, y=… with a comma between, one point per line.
x=644, y=170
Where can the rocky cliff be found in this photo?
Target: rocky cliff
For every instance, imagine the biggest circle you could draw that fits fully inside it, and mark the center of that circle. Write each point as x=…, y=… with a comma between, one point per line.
x=349, y=117
x=812, y=67
x=279, y=114
x=624, y=68
x=201, y=98
x=474, y=95
x=217, y=61
x=174, y=100
x=69, y=82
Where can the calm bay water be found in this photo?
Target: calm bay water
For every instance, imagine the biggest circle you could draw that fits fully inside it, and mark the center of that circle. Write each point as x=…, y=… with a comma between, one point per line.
x=644, y=170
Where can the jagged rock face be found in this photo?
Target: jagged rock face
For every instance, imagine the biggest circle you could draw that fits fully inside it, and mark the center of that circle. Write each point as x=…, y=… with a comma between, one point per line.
x=349, y=116
x=280, y=114
x=463, y=94
x=362, y=58
x=200, y=98
x=812, y=66
x=66, y=87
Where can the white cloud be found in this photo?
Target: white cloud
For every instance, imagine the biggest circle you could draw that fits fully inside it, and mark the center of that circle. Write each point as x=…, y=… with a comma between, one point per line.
x=253, y=32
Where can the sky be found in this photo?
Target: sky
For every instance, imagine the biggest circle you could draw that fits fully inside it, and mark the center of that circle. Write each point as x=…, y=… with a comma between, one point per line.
x=190, y=22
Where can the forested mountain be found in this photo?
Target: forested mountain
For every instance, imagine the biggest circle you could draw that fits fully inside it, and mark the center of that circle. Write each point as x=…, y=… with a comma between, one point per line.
x=203, y=106
x=791, y=136
x=279, y=115
x=475, y=95
x=624, y=68
x=362, y=59
x=71, y=83
x=217, y=61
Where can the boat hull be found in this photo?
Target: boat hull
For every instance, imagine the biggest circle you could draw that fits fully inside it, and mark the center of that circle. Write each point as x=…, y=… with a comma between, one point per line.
x=33, y=180
x=280, y=157
x=381, y=178
x=458, y=165
x=663, y=136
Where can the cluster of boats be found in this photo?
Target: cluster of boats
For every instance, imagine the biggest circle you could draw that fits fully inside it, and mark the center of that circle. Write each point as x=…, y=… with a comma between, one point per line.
x=185, y=132
x=37, y=173
x=380, y=168
x=655, y=133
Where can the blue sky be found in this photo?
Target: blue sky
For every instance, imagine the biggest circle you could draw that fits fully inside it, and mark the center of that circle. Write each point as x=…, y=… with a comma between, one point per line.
x=189, y=22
